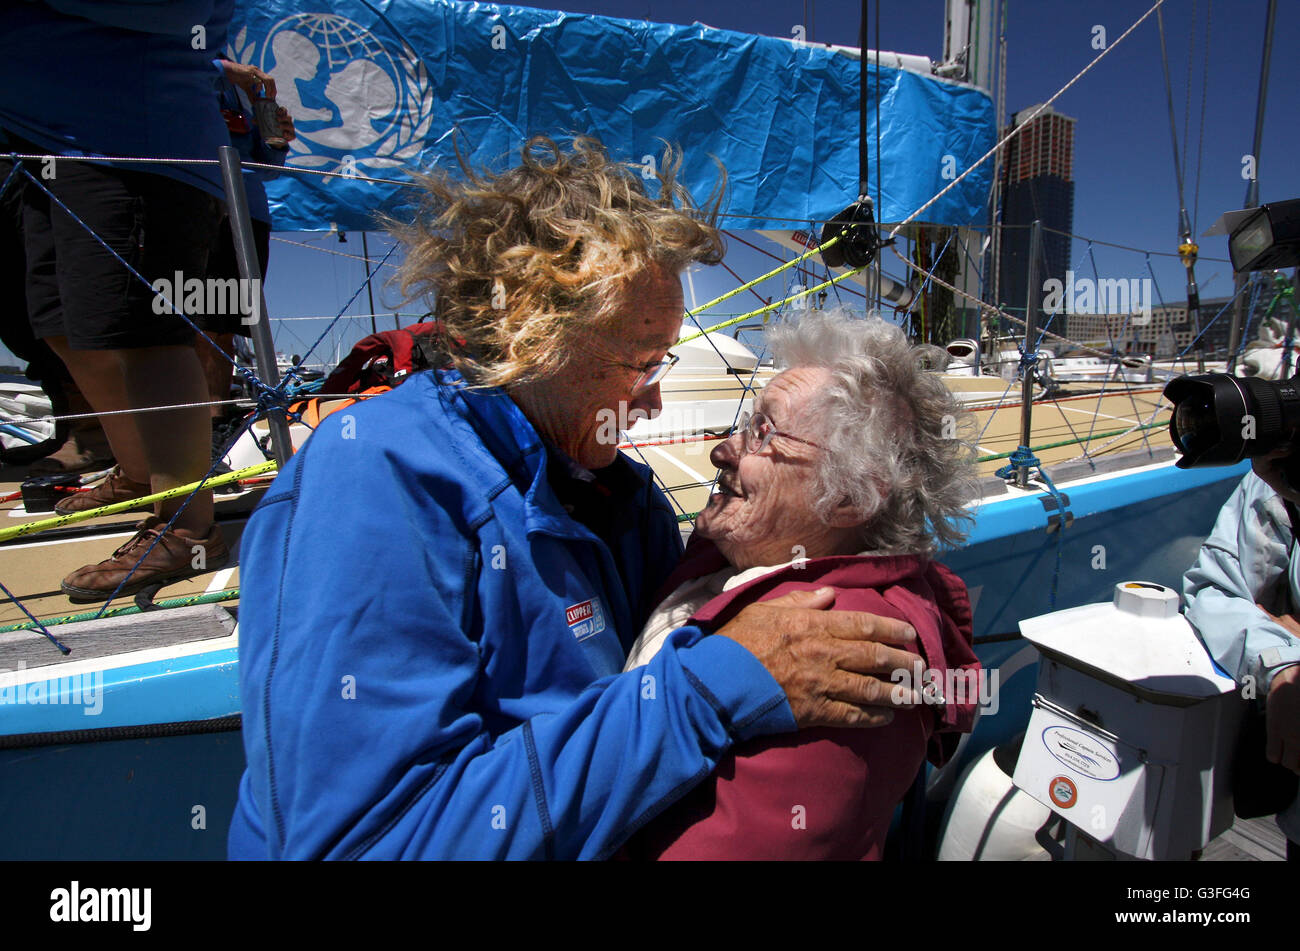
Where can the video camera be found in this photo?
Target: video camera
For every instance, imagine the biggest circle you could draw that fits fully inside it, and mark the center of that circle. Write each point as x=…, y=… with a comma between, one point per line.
x=1220, y=419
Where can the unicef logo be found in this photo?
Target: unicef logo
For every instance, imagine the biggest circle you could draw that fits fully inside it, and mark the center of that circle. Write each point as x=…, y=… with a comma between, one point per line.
x=356, y=105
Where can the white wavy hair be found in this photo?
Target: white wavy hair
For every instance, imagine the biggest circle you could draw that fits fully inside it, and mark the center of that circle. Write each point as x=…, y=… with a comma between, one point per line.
x=899, y=442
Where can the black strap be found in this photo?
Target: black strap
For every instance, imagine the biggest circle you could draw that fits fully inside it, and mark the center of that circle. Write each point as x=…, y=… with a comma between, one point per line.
x=1294, y=516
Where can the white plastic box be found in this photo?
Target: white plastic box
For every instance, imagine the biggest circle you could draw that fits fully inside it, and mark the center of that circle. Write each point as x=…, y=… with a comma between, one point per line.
x=1132, y=733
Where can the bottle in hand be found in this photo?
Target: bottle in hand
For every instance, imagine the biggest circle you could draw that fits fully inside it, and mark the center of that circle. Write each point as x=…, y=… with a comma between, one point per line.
x=268, y=121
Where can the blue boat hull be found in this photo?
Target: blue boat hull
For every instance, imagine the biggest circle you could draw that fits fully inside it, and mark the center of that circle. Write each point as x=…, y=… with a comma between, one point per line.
x=172, y=797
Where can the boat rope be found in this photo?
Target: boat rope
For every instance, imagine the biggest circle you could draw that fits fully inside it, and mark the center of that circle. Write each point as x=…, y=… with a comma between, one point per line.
x=357, y=293
x=1173, y=126
x=374, y=262
x=135, y=159
x=1118, y=434
x=1222, y=311
x=208, y=597
x=759, y=280
x=733, y=236
x=728, y=269
x=775, y=305
x=925, y=283
x=990, y=309
x=1111, y=340
x=63, y=648
x=1024, y=124
x=62, y=521
x=294, y=392
x=158, y=536
x=1122, y=247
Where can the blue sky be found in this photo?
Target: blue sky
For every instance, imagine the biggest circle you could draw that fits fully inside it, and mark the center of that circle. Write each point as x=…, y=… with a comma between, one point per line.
x=1124, y=182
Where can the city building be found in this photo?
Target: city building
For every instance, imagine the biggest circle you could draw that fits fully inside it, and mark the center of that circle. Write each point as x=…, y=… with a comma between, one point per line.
x=1037, y=183
x=1167, y=332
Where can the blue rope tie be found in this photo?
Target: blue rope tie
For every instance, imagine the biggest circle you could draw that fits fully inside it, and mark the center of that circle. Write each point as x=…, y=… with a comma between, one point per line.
x=1024, y=456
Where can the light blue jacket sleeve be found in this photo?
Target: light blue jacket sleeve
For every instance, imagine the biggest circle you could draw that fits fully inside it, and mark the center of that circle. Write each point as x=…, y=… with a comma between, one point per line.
x=1244, y=562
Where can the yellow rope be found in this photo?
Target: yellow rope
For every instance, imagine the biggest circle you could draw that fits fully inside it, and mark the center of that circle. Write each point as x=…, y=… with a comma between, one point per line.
x=773, y=306
x=180, y=490
x=759, y=280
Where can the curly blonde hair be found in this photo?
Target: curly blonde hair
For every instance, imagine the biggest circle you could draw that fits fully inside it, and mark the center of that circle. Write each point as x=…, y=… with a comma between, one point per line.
x=522, y=264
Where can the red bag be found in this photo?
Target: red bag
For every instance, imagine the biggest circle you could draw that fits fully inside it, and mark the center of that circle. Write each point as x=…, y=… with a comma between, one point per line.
x=386, y=359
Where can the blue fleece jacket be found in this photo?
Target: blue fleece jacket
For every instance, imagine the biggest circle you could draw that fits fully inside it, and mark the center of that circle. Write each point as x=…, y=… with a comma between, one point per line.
x=430, y=649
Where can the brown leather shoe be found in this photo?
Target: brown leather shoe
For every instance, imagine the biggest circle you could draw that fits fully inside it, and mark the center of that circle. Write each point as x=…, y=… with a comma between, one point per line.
x=173, y=558
x=115, y=488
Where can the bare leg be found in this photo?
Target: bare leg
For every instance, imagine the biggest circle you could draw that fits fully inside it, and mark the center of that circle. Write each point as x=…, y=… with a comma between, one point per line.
x=165, y=449
x=217, y=371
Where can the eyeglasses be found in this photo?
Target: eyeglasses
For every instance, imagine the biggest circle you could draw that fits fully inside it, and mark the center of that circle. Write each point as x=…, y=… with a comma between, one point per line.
x=650, y=375
x=757, y=431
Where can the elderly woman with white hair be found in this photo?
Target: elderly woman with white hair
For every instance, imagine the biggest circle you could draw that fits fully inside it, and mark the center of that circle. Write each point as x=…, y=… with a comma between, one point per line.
x=850, y=474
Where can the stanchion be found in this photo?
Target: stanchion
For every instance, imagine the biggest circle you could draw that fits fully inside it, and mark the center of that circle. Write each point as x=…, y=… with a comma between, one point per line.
x=241, y=228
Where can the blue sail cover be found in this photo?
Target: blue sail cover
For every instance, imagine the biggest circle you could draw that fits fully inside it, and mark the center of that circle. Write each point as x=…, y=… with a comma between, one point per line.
x=380, y=88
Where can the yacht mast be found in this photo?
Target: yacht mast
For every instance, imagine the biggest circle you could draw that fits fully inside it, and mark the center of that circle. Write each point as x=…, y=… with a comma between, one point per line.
x=1252, y=187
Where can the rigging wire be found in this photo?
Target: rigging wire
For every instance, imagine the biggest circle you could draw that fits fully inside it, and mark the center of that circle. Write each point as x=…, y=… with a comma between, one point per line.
x=376, y=262
x=983, y=158
x=1200, y=143
x=1187, y=99
x=1187, y=248
x=1184, y=226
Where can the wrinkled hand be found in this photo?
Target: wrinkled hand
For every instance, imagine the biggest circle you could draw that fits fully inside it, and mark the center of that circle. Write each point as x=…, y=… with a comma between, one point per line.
x=829, y=663
x=1282, y=719
x=1269, y=469
x=249, y=78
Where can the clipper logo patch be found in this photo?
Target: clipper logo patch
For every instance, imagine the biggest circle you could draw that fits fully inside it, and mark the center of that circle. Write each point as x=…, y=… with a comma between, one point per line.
x=585, y=618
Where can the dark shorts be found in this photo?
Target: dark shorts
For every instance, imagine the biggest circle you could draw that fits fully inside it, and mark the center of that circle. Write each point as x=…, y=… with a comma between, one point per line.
x=76, y=288
x=223, y=266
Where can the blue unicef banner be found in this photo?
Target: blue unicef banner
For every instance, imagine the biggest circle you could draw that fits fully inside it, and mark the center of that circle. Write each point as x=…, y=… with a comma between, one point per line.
x=380, y=89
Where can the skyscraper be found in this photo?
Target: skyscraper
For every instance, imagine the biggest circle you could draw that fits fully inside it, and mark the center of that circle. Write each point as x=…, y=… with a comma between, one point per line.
x=1037, y=182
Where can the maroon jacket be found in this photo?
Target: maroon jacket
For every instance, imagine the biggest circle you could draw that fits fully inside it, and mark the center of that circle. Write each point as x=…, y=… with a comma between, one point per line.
x=825, y=793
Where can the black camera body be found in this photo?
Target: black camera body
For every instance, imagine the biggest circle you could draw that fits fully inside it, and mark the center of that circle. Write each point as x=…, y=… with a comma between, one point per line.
x=1220, y=419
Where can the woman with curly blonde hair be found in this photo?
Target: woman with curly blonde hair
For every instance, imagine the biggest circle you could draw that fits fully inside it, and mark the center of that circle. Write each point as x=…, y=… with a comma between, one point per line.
x=439, y=590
